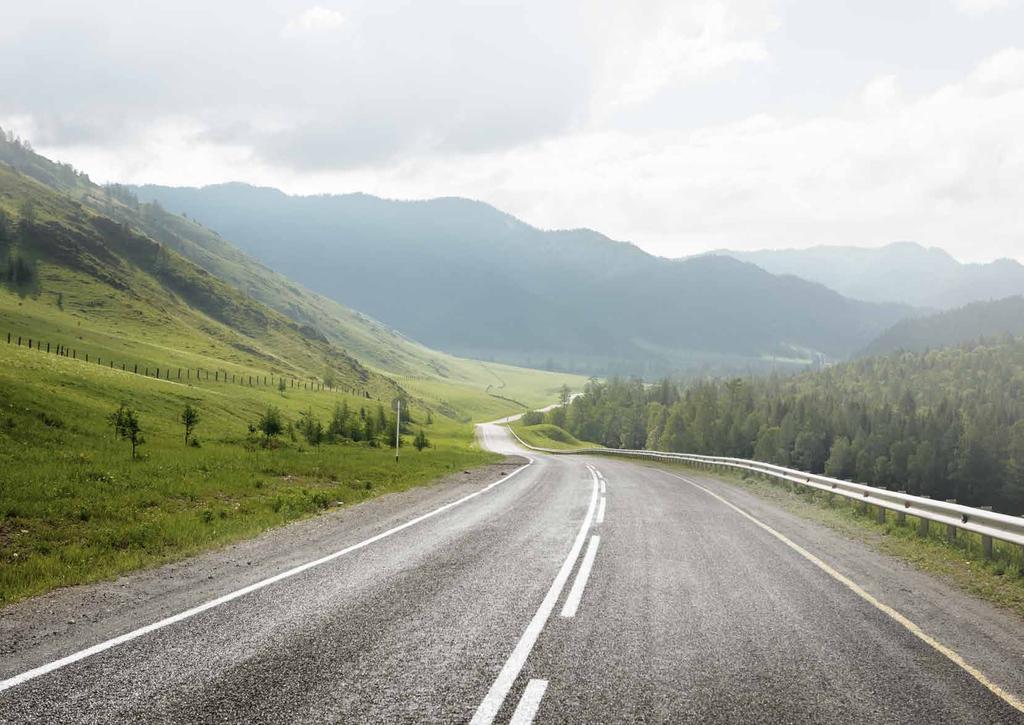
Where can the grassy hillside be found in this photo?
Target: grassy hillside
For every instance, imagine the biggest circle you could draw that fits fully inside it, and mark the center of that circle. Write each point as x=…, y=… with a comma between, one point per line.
x=468, y=387
x=574, y=299
x=548, y=435
x=100, y=299
x=955, y=327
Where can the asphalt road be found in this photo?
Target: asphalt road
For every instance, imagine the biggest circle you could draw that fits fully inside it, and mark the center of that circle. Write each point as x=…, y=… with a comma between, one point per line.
x=573, y=589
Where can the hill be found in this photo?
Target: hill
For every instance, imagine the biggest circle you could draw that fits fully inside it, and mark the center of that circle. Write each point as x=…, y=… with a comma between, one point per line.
x=488, y=285
x=467, y=388
x=903, y=272
x=108, y=335
x=954, y=327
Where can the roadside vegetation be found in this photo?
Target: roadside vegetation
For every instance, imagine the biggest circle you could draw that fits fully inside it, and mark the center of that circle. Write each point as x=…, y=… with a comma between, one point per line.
x=532, y=429
x=76, y=506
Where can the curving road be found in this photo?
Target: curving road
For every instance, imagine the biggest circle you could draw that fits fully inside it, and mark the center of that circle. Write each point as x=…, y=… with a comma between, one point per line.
x=557, y=589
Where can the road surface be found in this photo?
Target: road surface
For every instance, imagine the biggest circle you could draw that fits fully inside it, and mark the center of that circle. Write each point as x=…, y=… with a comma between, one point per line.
x=554, y=589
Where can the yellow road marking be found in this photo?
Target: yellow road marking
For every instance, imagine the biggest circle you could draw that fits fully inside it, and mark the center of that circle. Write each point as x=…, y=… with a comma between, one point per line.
x=949, y=653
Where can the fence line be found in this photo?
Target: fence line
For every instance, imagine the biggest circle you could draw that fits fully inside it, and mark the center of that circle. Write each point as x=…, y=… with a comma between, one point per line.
x=189, y=374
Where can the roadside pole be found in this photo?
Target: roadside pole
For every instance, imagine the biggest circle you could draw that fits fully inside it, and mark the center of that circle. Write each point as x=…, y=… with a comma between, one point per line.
x=398, y=428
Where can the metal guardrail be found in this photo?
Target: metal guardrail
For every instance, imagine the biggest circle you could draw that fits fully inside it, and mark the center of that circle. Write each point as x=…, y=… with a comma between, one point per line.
x=988, y=524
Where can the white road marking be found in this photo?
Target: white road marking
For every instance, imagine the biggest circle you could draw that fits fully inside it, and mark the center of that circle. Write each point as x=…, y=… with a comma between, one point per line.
x=572, y=602
x=602, y=487
x=600, y=511
x=942, y=649
x=136, y=633
x=529, y=703
x=494, y=698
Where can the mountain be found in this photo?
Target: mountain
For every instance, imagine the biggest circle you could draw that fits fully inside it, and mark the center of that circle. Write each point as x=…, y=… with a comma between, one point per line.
x=464, y=277
x=903, y=272
x=466, y=388
x=954, y=327
x=82, y=279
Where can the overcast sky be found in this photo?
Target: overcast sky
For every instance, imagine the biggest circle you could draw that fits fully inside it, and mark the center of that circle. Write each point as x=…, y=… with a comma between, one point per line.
x=681, y=126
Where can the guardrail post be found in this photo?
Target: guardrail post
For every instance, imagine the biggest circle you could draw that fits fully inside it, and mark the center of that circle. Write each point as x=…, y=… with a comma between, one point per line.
x=901, y=516
x=986, y=541
x=881, y=515
x=950, y=528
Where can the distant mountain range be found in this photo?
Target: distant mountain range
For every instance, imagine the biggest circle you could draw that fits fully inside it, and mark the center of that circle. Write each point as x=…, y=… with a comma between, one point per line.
x=464, y=277
x=953, y=327
x=903, y=272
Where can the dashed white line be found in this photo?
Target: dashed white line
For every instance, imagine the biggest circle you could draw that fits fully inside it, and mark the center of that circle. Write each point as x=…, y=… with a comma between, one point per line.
x=136, y=633
x=494, y=698
x=572, y=602
x=529, y=703
x=600, y=511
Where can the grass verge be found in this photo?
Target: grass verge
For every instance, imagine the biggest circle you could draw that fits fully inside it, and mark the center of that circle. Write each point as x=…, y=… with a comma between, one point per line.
x=75, y=508
x=548, y=435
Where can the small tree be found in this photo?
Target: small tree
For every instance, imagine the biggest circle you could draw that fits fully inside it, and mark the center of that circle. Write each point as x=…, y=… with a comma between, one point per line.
x=564, y=394
x=126, y=424
x=430, y=418
x=281, y=385
x=270, y=424
x=189, y=419
x=421, y=441
x=339, y=426
x=311, y=427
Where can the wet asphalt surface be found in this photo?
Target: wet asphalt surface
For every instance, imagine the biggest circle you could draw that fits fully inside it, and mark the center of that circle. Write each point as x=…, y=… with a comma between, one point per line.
x=691, y=613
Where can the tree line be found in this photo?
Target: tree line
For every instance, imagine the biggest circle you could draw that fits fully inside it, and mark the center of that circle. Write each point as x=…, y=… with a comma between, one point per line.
x=946, y=423
x=373, y=428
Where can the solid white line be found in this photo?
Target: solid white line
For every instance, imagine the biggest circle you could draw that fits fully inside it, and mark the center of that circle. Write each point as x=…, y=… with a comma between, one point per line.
x=529, y=703
x=136, y=633
x=602, y=487
x=572, y=602
x=948, y=652
x=600, y=511
x=494, y=698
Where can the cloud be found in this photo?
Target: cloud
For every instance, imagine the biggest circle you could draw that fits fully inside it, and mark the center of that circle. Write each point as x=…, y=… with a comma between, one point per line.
x=980, y=7
x=646, y=48
x=314, y=20
x=681, y=126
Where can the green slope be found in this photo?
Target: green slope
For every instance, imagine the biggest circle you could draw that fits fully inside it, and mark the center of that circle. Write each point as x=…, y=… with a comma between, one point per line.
x=461, y=382
x=75, y=507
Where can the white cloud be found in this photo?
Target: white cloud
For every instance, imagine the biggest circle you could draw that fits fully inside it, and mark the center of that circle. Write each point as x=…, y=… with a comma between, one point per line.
x=565, y=114
x=1003, y=70
x=980, y=7
x=643, y=48
x=314, y=20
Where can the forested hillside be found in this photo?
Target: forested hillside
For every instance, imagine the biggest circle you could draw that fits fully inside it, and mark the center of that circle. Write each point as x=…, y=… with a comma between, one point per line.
x=947, y=423
x=488, y=285
x=945, y=329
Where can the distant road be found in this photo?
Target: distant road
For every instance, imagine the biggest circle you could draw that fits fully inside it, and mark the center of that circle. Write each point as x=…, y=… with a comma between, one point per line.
x=569, y=589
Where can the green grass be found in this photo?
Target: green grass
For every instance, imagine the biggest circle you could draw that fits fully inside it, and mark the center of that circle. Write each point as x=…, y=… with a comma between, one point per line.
x=548, y=435
x=961, y=563
x=74, y=508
